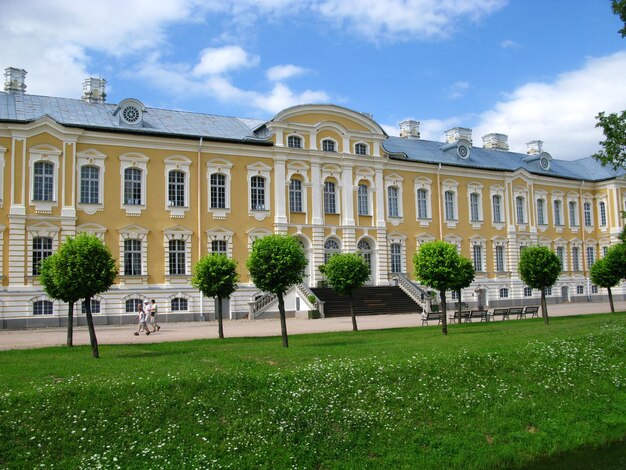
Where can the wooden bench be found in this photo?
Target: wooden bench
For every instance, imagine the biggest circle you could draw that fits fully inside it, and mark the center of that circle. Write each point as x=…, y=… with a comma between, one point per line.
x=532, y=311
x=478, y=314
x=517, y=311
x=426, y=317
x=500, y=312
x=465, y=315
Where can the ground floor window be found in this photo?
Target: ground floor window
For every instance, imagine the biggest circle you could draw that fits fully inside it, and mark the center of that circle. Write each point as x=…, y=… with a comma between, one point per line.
x=504, y=293
x=528, y=292
x=42, y=307
x=179, y=304
x=132, y=305
x=95, y=306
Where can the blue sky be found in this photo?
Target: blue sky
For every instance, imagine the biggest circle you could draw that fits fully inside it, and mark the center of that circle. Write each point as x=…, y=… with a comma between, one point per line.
x=532, y=69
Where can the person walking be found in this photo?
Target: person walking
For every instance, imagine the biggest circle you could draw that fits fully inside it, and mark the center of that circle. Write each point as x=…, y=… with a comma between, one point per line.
x=153, y=315
x=143, y=324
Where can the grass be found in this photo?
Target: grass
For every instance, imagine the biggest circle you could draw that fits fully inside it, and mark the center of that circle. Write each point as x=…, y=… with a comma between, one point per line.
x=495, y=395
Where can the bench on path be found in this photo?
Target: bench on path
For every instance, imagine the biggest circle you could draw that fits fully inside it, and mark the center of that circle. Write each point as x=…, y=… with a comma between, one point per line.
x=517, y=311
x=426, y=317
x=500, y=312
x=465, y=315
x=532, y=311
x=479, y=314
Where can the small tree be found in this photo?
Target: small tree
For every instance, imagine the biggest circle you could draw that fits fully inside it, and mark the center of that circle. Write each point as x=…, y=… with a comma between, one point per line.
x=602, y=274
x=346, y=272
x=462, y=279
x=276, y=263
x=216, y=276
x=539, y=268
x=437, y=265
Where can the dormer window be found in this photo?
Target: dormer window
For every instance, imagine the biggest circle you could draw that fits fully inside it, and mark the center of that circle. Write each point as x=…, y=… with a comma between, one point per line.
x=294, y=142
x=329, y=145
x=130, y=112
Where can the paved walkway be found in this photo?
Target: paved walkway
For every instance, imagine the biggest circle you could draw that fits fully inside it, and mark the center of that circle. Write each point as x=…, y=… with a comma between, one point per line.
x=183, y=331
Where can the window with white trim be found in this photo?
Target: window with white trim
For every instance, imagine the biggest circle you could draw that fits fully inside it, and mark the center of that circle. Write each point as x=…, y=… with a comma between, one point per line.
x=330, y=198
x=43, y=183
x=295, y=195
x=450, y=205
x=575, y=258
x=176, y=189
x=558, y=212
x=422, y=203
x=132, y=305
x=365, y=250
x=329, y=145
x=133, y=186
x=89, y=184
x=602, y=210
x=500, y=267
x=528, y=292
x=331, y=247
x=43, y=307
x=504, y=293
x=520, y=207
x=588, y=215
x=396, y=257
x=477, y=256
x=573, y=209
x=594, y=289
x=360, y=149
x=44, y=178
x=95, y=306
x=560, y=253
x=548, y=290
x=475, y=215
x=257, y=193
x=42, y=248
x=496, y=202
x=363, y=200
x=218, y=190
x=179, y=304
x=392, y=201
x=591, y=256
x=219, y=247
x=541, y=211
x=294, y=142
x=178, y=257
x=580, y=290
x=132, y=257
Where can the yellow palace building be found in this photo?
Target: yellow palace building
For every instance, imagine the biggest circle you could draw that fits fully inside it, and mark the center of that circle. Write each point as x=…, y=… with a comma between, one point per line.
x=163, y=187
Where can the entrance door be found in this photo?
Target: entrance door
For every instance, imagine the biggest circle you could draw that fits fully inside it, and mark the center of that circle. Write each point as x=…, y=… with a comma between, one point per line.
x=565, y=294
x=482, y=298
x=225, y=309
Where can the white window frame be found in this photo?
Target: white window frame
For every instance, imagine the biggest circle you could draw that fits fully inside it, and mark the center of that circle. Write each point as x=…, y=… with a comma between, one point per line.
x=296, y=195
x=134, y=232
x=335, y=195
x=363, y=199
x=493, y=192
x=602, y=216
x=576, y=260
x=183, y=234
x=41, y=230
x=50, y=155
x=394, y=180
x=499, y=246
x=295, y=136
x=140, y=162
x=222, y=167
x=521, y=210
x=96, y=159
x=572, y=209
x=542, y=215
x=477, y=189
x=424, y=184
x=220, y=234
x=182, y=164
x=366, y=146
x=334, y=142
x=474, y=244
x=300, y=171
x=557, y=201
x=328, y=252
x=263, y=171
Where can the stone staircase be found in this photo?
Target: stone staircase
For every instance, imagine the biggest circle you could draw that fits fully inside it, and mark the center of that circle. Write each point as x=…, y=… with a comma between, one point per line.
x=367, y=301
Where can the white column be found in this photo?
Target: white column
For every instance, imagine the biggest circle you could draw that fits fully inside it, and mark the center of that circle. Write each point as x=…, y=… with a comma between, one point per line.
x=380, y=198
x=347, y=195
x=280, y=202
x=316, y=193
x=17, y=248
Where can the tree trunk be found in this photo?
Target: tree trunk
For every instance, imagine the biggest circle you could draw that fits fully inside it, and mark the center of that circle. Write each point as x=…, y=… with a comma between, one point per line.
x=283, y=320
x=459, y=305
x=354, y=327
x=92, y=331
x=544, y=307
x=444, y=318
x=611, y=300
x=70, y=324
x=220, y=325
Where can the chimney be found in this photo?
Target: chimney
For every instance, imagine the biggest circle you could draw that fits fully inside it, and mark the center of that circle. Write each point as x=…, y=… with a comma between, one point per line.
x=14, y=80
x=93, y=90
x=410, y=129
x=496, y=141
x=534, y=147
x=457, y=133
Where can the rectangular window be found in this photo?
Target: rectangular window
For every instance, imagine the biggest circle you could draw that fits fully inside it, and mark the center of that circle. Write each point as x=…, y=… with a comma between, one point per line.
x=572, y=214
x=218, y=191
x=449, y=205
x=580, y=290
x=132, y=305
x=295, y=195
x=575, y=259
x=478, y=258
x=177, y=257
x=591, y=256
x=257, y=193
x=499, y=258
x=594, y=289
x=42, y=248
x=43, y=307
x=132, y=257
x=43, y=189
x=587, y=214
x=360, y=149
x=548, y=290
x=519, y=204
x=89, y=184
x=474, y=207
x=396, y=258
x=504, y=293
x=392, y=201
x=219, y=247
x=557, y=213
x=497, y=208
x=294, y=142
x=132, y=186
x=328, y=146
x=330, y=206
x=422, y=204
x=363, y=200
x=541, y=212
x=603, y=214
x=176, y=188
x=179, y=304
x=528, y=292
x=560, y=253
x=95, y=306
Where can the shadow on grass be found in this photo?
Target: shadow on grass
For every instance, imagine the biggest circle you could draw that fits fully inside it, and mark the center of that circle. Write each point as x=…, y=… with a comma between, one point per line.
x=611, y=456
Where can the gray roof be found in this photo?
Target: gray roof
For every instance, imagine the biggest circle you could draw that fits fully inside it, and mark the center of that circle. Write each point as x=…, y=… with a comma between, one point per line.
x=427, y=151
x=18, y=107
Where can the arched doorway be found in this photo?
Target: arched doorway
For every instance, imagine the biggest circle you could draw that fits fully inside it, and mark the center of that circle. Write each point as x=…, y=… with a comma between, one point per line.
x=365, y=249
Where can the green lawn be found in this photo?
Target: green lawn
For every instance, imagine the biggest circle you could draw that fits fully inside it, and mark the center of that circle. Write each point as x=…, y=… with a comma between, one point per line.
x=490, y=395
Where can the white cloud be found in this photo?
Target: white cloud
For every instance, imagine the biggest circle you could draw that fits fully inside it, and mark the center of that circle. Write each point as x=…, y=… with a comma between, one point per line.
x=214, y=61
x=561, y=113
x=457, y=90
x=430, y=129
x=509, y=44
x=283, y=72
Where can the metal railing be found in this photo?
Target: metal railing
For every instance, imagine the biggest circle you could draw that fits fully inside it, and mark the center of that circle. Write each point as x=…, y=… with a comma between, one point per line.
x=415, y=292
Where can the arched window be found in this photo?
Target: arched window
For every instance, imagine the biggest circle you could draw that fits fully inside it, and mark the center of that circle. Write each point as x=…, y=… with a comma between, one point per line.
x=132, y=257
x=363, y=200
x=132, y=305
x=330, y=198
x=587, y=214
x=257, y=193
x=176, y=188
x=43, y=307
x=43, y=182
x=602, y=206
x=422, y=203
x=42, y=248
x=177, y=257
x=218, y=191
x=294, y=142
x=360, y=149
x=328, y=145
x=497, y=208
x=132, y=186
x=89, y=184
x=365, y=250
x=392, y=201
x=179, y=304
x=295, y=195
x=331, y=247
